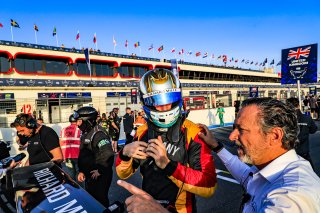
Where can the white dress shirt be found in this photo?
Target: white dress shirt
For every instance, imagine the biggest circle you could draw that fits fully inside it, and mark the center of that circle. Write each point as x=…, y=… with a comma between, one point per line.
x=2, y=172
x=287, y=184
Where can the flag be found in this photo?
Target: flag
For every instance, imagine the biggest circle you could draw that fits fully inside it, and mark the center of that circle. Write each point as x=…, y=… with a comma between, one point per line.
x=212, y=56
x=137, y=44
x=242, y=61
x=190, y=52
x=151, y=47
x=95, y=38
x=251, y=62
x=224, y=58
x=78, y=35
x=279, y=63
x=272, y=62
x=219, y=57
x=198, y=54
x=1, y=25
x=14, y=24
x=36, y=28
x=300, y=52
x=173, y=50
x=54, y=31
x=126, y=44
x=86, y=54
x=236, y=61
x=160, y=48
x=247, y=61
x=205, y=55
x=114, y=41
x=181, y=51
x=265, y=61
x=257, y=63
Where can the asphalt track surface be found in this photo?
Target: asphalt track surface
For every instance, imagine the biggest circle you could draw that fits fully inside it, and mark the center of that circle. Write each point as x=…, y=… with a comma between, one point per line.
x=228, y=193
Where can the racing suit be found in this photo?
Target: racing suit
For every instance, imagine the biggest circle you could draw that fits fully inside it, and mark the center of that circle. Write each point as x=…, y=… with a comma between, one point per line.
x=190, y=171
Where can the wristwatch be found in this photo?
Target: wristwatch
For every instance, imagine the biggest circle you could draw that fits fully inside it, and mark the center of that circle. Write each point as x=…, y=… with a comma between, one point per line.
x=217, y=148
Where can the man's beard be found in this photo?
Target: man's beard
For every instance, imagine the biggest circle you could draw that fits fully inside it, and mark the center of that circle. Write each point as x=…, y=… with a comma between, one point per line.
x=243, y=156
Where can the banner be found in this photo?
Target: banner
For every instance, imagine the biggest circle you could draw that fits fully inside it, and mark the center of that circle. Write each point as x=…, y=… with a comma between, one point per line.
x=134, y=96
x=174, y=67
x=253, y=92
x=299, y=63
x=313, y=90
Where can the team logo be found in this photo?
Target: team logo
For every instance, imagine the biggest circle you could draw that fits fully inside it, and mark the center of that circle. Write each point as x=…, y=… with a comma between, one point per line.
x=65, y=83
x=49, y=83
x=11, y=82
x=31, y=82
x=80, y=83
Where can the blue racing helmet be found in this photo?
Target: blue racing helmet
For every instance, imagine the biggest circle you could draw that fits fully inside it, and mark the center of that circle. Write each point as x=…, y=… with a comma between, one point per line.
x=160, y=87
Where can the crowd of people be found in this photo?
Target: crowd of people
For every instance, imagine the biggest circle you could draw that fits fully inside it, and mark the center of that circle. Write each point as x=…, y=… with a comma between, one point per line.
x=311, y=105
x=174, y=155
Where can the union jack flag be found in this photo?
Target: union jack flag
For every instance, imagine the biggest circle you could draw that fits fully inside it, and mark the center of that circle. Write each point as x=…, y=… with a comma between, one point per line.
x=300, y=52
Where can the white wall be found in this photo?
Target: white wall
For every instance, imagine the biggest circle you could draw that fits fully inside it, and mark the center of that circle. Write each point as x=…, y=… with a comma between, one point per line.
x=209, y=117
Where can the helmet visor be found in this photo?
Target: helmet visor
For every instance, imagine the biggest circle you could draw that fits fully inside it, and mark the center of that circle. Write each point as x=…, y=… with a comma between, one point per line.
x=76, y=115
x=162, y=98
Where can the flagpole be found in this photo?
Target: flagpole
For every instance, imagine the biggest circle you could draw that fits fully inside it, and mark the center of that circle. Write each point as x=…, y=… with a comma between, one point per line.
x=128, y=49
x=35, y=34
x=57, y=39
x=11, y=34
x=114, y=44
x=153, y=52
x=140, y=49
x=80, y=44
x=96, y=44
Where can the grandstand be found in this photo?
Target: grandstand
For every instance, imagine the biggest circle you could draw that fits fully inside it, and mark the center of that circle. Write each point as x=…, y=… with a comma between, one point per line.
x=51, y=82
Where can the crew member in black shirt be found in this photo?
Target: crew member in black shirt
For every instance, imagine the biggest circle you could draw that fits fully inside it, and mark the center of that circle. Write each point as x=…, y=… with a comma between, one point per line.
x=96, y=155
x=128, y=124
x=307, y=126
x=43, y=141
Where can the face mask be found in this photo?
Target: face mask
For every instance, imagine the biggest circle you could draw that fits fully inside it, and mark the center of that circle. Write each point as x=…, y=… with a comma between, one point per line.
x=84, y=126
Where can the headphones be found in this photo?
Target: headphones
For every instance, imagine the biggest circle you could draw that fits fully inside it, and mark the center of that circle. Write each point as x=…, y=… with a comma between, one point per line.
x=26, y=120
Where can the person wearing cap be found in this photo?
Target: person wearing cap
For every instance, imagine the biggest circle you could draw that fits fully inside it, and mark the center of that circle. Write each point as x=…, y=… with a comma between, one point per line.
x=70, y=146
x=96, y=155
x=175, y=163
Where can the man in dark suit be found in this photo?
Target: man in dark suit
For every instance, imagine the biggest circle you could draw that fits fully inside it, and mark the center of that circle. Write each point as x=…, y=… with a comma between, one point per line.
x=128, y=124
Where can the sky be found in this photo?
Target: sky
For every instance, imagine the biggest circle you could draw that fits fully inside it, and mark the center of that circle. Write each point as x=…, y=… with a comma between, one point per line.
x=251, y=30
